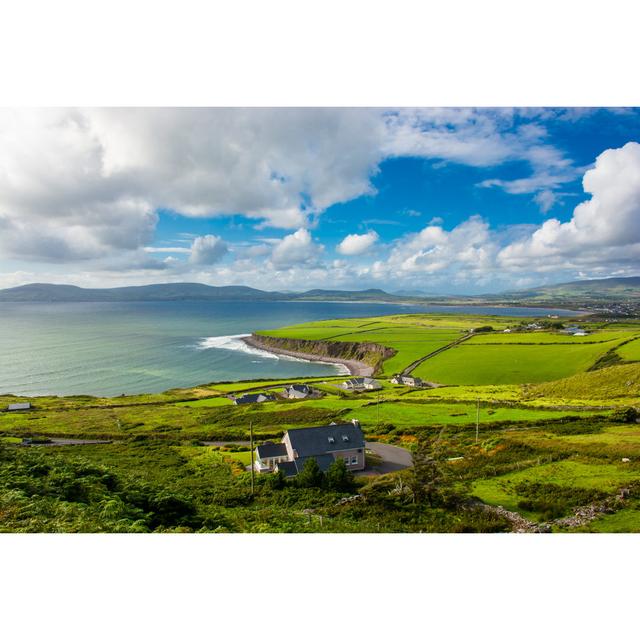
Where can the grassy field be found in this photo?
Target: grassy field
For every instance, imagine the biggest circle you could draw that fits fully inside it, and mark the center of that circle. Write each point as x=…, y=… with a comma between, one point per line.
x=503, y=490
x=509, y=364
x=630, y=351
x=616, y=382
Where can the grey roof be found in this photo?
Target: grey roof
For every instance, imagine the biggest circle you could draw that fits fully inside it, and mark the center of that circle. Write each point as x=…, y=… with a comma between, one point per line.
x=294, y=467
x=303, y=388
x=18, y=406
x=248, y=398
x=324, y=461
x=315, y=441
x=289, y=468
x=271, y=450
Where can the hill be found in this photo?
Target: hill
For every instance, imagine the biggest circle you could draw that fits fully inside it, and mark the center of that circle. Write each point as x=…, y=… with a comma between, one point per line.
x=155, y=292
x=618, y=295
x=621, y=381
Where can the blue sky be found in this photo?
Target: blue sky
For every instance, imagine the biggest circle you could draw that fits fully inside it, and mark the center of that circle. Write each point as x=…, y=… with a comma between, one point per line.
x=436, y=200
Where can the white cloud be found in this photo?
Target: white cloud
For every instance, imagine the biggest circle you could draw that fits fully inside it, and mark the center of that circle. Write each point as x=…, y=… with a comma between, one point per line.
x=208, y=250
x=545, y=200
x=468, y=247
x=604, y=229
x=295, y=249
x=80, y=183
x=357, y=244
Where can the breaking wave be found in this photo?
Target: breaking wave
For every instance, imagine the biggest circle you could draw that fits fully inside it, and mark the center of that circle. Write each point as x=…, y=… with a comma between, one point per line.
x=236, y=343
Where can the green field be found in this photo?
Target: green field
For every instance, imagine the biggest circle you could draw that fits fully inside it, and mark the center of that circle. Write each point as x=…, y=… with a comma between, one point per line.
x=540, y=337
x=616, y=382
x=630, y=351
x=501, y=491
x=509, y=364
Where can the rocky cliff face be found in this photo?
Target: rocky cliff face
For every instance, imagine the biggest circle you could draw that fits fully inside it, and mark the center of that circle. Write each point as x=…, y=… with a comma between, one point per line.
x=369, y=353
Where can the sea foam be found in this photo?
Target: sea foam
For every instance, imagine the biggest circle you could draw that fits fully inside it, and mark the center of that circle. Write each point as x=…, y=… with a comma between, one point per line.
x=236, y=343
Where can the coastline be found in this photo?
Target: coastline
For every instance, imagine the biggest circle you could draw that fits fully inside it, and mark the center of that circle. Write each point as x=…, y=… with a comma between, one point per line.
x=354, y=367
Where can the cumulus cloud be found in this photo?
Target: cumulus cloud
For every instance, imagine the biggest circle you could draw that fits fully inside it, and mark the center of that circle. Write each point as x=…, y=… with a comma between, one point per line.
x=468, y=247
x=86, y=185
x=208, y=250
x=604, y=228
x=295, y=249
x=356, y=244
x=88, y=181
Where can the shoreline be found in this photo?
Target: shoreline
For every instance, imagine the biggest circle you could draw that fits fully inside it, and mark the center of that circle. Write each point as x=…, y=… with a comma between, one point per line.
x=354, y=367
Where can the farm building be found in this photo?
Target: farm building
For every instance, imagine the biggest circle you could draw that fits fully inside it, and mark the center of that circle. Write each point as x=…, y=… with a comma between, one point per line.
x=361, y=384
x=251, y=398
x=298, y=391
x=19, y=406
x=325, y=444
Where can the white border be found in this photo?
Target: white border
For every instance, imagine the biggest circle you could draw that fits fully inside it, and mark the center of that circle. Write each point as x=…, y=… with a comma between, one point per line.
x=318, y=53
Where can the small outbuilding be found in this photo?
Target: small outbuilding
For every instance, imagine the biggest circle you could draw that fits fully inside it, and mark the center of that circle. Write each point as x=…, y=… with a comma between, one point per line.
x=19, y=406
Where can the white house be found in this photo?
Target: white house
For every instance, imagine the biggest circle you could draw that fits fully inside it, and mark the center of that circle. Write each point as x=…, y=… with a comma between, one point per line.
x=408, y=381
x=298, y=391
x=361, y=384
x=326, y=444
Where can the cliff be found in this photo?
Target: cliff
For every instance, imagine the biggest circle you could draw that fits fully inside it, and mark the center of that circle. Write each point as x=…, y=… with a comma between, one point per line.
x=362, y=358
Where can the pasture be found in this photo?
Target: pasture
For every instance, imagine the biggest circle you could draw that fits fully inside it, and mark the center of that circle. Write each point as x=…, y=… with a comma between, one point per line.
x=509, y=364
x=630, y=351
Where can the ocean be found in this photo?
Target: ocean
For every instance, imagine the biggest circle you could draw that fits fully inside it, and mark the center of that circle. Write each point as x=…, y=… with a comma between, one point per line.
x=109, y=349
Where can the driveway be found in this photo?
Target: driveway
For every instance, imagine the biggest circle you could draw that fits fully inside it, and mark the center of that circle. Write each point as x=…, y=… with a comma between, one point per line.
x=393, y=458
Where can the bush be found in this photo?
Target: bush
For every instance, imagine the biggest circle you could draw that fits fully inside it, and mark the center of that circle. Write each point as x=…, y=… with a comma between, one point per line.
x=339, y=478
x=310, y=476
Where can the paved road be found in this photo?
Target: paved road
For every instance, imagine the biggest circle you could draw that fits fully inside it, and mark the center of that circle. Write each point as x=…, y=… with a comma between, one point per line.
x=393, y=458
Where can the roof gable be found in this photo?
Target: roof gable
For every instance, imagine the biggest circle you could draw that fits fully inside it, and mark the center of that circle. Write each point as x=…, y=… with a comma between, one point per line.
x=315, y=441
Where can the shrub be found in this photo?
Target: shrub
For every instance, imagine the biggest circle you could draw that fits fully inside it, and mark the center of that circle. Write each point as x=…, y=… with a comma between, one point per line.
x=310, y=476
x=339, y=478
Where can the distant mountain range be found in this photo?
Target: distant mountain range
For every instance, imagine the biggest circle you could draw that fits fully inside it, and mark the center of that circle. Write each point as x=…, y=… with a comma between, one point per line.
x=177, y=291
x=618, y=291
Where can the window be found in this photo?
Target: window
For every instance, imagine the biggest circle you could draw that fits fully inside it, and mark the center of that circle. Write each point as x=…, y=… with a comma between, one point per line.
x=354, y=460
x=345, y=438
x=346, y=461
x=331, y=439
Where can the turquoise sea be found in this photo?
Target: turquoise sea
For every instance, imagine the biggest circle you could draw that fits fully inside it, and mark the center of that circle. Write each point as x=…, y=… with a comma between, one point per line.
x=105, y=348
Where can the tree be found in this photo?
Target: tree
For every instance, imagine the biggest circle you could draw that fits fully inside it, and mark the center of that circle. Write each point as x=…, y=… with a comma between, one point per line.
x=277, y=480
x=310, y=476
x=338, y=477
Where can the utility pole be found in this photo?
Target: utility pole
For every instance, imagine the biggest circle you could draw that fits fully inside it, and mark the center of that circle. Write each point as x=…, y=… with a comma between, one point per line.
x=477, y=417
x=251, y=447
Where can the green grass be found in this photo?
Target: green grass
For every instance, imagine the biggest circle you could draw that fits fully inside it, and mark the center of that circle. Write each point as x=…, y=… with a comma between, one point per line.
x=569, y=473
x=630, y=351
x=508, y=364
x=545, y=337
x=623, y=521
x=620, y=381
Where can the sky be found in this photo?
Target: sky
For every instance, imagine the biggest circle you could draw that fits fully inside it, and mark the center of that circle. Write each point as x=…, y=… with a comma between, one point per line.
x=434, y=200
